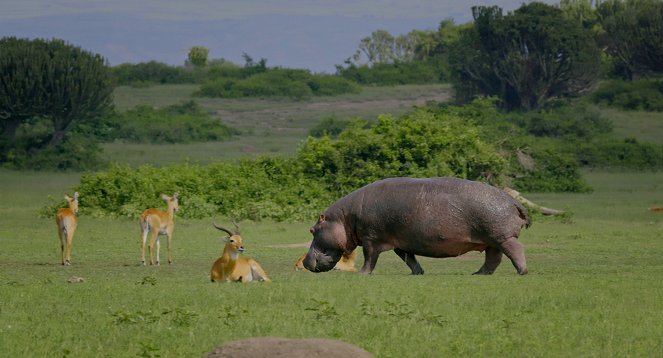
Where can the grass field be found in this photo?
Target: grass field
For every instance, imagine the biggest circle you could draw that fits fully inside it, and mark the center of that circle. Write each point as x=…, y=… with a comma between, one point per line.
x=594, y=287
x=593, y=290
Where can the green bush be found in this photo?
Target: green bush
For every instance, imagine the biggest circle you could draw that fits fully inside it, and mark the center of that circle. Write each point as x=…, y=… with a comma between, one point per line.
x=646, y=95
x=181, y=123
x=330, y=126
x=149, y=72
x=278, y=82
x=420, y=144
x=252, y=189
x=383, y=74
x=620, y=154
x=570, y=121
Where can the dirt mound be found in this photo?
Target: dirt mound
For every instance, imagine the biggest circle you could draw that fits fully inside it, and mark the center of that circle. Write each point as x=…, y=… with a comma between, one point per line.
x=283, y=347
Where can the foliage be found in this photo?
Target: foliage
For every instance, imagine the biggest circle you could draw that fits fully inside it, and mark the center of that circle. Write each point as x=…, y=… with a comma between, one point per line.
x=180, y=123
x=389, y=74
x=251, y=189
x=526, y=57
x=632, y=33
x=151, y=72
x=280, y=82
x=645, y=95
x=420, y=144
x=49, y=90
x=383, y=48
x=620, y=154
x=533, y=164
x=330, y=126
x=198, y=56
x=563, y=121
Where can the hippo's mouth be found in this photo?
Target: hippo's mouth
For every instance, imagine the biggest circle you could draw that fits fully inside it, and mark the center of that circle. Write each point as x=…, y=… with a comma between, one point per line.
x=317, y=261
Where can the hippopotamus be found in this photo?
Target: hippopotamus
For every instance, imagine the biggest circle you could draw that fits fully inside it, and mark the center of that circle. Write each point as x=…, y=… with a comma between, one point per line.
x=432, y=217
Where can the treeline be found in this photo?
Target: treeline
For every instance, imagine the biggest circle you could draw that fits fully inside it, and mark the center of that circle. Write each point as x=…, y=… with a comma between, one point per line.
x=526, y=57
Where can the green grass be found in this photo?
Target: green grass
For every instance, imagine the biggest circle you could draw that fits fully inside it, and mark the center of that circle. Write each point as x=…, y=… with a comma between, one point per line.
x=645, y=126
x=593, y=290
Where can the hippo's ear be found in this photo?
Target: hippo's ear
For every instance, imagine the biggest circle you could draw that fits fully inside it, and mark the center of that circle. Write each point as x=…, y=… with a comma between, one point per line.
x=322, y=218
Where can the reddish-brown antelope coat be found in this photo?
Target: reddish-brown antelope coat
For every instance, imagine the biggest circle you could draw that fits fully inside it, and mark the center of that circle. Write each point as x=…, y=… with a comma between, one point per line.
x=66, y=221
x=230, y=267
x=158, y=222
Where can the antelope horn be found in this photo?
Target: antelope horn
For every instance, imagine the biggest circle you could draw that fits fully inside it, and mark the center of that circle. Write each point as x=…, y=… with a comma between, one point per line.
x=236, y=228
x=223, y=229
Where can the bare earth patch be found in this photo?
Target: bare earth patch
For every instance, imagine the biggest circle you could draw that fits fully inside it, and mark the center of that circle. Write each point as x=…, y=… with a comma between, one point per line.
x=277, y=347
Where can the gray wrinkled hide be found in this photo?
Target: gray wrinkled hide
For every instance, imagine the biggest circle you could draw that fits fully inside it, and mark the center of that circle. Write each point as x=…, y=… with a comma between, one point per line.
x=434, y=217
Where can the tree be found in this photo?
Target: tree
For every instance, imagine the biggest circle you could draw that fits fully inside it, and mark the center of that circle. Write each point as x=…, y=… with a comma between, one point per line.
x=633, y=35
x=53, y=83
x=198, y=56
x=526, y=57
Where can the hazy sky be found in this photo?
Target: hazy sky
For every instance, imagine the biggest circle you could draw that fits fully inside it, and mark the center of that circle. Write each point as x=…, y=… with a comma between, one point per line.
x=292, y=33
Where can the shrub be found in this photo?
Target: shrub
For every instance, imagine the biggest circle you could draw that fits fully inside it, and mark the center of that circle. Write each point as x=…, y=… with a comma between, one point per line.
x=620, y=154
x=387, y=74
x=252, y=189
x=330, y=126
x=149, y=72
x=278, y=82
x=646, y=95
x=419, y=144
x=566, y=121
x=180, y=123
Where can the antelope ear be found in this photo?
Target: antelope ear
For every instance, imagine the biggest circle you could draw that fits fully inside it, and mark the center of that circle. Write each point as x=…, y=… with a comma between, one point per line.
x=175, y=194
x=165, y=197
x=322, y=218
x=225, y=239
x=76, y=196
x=67, y=197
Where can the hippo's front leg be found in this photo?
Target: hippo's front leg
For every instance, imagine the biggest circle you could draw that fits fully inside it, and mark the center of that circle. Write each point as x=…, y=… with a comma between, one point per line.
x=410, y=260
x=371, y=254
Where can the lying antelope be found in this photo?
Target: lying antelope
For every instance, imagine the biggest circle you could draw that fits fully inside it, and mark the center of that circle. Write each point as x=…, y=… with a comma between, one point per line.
x=66, y=220
x=346, y=263
x=230, y=267
x=157, y=222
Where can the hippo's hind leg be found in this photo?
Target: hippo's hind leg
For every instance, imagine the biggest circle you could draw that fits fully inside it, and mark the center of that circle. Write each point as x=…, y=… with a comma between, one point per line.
x=493, y=259
x=410, y=260
x=513, y=249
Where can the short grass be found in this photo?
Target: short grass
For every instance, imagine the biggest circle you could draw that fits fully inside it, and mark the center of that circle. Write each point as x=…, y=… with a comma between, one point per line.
x=645, y=126
x=594, y=287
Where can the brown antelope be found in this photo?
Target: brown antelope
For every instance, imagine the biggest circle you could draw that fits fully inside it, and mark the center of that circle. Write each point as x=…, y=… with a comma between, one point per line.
x=230, y=267
x=346, y=263
x=158, y=222
x=66, y=220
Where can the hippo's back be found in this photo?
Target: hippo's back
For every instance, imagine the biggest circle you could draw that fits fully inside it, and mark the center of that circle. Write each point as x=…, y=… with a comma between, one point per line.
x=434, y=209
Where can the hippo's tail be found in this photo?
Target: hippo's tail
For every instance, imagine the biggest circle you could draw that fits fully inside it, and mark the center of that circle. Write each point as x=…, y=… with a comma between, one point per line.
x=523, y=213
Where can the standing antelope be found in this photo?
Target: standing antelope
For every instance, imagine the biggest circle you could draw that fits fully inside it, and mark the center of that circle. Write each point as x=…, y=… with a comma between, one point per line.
x=158, y=222
x=230, y=267
x=66, y=220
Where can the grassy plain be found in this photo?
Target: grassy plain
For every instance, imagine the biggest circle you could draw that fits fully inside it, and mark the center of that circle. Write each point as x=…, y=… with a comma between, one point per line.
x=593, y=289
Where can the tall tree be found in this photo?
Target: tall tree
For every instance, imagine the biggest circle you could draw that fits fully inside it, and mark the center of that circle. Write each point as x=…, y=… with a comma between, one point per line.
x=52, y=80
x=633, y=35
x=526, y=57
